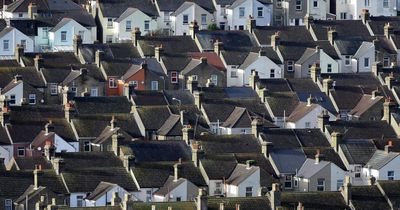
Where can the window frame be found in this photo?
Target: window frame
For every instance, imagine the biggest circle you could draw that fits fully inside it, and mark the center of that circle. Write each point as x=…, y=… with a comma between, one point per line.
x=288, y=180
x=214, y=79
x=33, y=98
x=149, y=195
x=385, y=3
x=79, y=200
x=367, y=62
x=242, y=12
x=6, y=42
x=45, y=32
x=249, y=191
x=146, y=25
x=112, y=83
x=53, y=89
x=315, y=4
x=13, y=99
x=63, y=36
x=272, y=73
x=185, y=19
x=386, y=61
x=110, y=23
x=321, y=186
x=347, y=60
x=94, y=90
x=329, y=68
x=128, y=27
x=174, y=77
x=392, y=176
x=8, y=204
x=298, y=6
x=291, y=65
x=154, y=83
x=260, y=9
x=203, y=19
x=339, y=184
x=21, y=149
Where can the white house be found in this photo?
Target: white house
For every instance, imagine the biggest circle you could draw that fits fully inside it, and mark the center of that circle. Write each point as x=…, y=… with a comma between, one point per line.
x=175, y=190
x=318, y=9
x=10, y=37
x=238, y=13
x=238, y=122
x=364, y=57
x=352, y=9
x=104, y=192
x=262, y=62
x=60, y=144
x=305, y=115
x=6, y=153
x=244, y=181
x=383, y=165
x=62, y=35
x=124, y=24
x=14, y=92
x=189, y=12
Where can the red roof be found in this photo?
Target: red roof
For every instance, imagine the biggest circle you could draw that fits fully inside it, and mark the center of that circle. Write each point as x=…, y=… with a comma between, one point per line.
x=212, y=58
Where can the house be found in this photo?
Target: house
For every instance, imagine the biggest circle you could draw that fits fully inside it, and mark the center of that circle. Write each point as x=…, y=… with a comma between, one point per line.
x=18, y=93
x=117, y=24
x=382, y=165
x=244, y=181
x=354, y=9
x=103, y=193
x=363, y=58
x=306, y=115
x=319, y=175
x=190, y=12
x=10, y=38
x=83, y=82
x=148, y=76
x=130, y=19
x=240, y=13
x=203, y=74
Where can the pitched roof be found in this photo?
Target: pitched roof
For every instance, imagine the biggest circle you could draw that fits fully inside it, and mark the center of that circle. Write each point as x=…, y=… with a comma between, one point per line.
x=149, y=98
x=381, y=159
x=358, y=151
x=344, y=28
x=368, y=197
x=314, y=200
x=126, y=14
x=362, y=129
x=301, y=111
x=171, y=127
x=171, y=44
x=101, y=189
x=215, y=144
x=365, y=103
x=232, y=40
x=241, y=173
x=102, y=105
x=310, y=168
x=169, y=185
x=114, y=8
x=288, y=160
x=239, y=118
x=254, y=203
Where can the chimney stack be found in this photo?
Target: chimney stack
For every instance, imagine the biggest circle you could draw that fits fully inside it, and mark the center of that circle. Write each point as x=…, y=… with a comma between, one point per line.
x=39, y=62
x=376, y=68
x=19, y=52
x=176, y=169
x=308, y=20
x=158, y=52
x=254, y=78
x=49, y=150
x=309, y=100
x=315, y=71
x=193, y=29
x=136, y=36
x=187, y=134
x=32, y=10
x=203, y=60
x=192, y=84
x=388, y=147
x=218, y=47
x=116, y=142
x=198, y=99
x=221, y=206
x=336, y=140
x=318, y=156
x=115, y=199
x=196, y=153
x=77, y=42
x=275, y=196
x=323, y=120
x=99, y=57
x=388, y=30
x=49, y=127
x=256, y=127
x=36, y=172
x=346, y=191
x=332, y=35
x=69, y=111
x=113, y=123
x=275, y=40
x=266, y=148
x=251, y=24
x=57, y=165
x=327, y=85
x=388, y=107
x=127, y=203
x=389, y=81
x=201, y=201
x=365, y=15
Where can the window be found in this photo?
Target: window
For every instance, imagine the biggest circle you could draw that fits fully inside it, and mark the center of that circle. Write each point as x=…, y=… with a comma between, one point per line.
x=94, y=91
x=390, y=175
x=298, y=4
x=109, y=23
x=385, y=3
x=128, y=25
x=203, y=19
x=288, y=182
x=174, y=77
x=79, y=201
x=249, y=191
x=74, y=90
x=366, y=3
x=321, y=185
x=178, y=199
x=343, y=15
x=32, y=98
x=63, y=36
x=260, y=11
x=194, y=77
x=272, y=73
x=109, y=39
x=112, y=83
x=148, y=195
x=357, y=170
x=185, y=19
x=154, y=85
x=218, y=188
x=243, y=131
x=20, y=15
x=329, y=68
x=315, y=3
x=295, y=183
x=146, y=25
x=21, y=151
x=279, y=3
x=241, y=11
x=214, y=79
x=307, y=124
x=347, y=60
x=166, y=17
x=12, y=99
x=241, y=27
x=86, y=146
x=234, y=73
x=339, y=184
x=23, y=43
x=133, y=84
x=290, y=66
x=6, y=45
x=386, y=61
x=8, y=204
x=366, y=62
x=45, y=32
x=222, y=25
x=53, y=89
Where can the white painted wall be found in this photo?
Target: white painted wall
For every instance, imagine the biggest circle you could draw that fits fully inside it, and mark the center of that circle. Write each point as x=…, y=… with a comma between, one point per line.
x=142, y=194
x=382, y=173
x=319, y=12
x=353, y=8
x=263, y=66
x=224, y=130
x=103, y=200
x=72, y=28
x=5, y=153
x=325, y=59
x=234, y=19
x=180, y=191
x=18, y=91
x=62, y=145
x=336, y=174
x=240, y=190
x=194, y=13
x=358, y=64
x=311, y=118
x=137, y=19
x=14, y=37
x=73, y=198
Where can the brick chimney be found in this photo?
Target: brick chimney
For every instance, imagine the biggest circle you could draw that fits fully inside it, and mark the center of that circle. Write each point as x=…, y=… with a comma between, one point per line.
x=254, y=78
x=49, y=127
x=389, y=80
x=116, y=142
x=69, y=111
x=308, y=20
x=36, y=173
x=57, y=165
x=346, y=190
x=127, y=203
x=218, y=47
x=192, y=85
x=158, y=52
x=176, y=169
x=388, y=147
x=77, y=42
x=327, y=85
x=388, y=107
x=32, y=10
x=332, y=35
x=266, y=148
x=388, y=30
x=365, y=15
x=256, y=126
x=187, y=134
x=275, y=40
x=201, y=200
x=198, y=99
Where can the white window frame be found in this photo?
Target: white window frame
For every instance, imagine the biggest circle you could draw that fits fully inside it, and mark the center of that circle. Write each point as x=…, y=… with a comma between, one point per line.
x=249, y=191
x=146, y=25
x=149, y=195
x=385, y=3
x=315, y=4
x=321, y=186
x=260, y=9
x=154, y=85
x=343, y=15
x=174, y=77
x=21, y=149
x=391, y=176
x=6, y=45
x=128, y=25
x=53, y=89
x=242, y=12
x=288, y=179
x=112, y=83
x=347, y=60
x=110, y=23
x=13, y=99
x=299, y=5
x=367, y=3
x=185, y=19
x=329, y=68
x=272, y=73
x=234, y=73
x=214, y=79
x=339, y=184
x=366, y=62
x=33, y=98
x=290, y=66
x=357, y=171
x=94, y=91
x=203, y=19
x=8, y=204
x=63, y=36
x=307, y=124
x=194, y=77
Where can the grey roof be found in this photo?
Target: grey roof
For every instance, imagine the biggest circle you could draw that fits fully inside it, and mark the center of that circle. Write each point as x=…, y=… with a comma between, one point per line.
x=306, y=55
x=365, y=46
x=172, y=5
x=358, y=151
x=348, y=46
x=310, y=168
x=114, y=8
x=169, y=185
x=301, y=111
x=183, y=7
x=6, y=31
x=239, y=118
x=344, y=28
x=381, y=158
x=232, y=40
x=171, y=127
x=288, y=160
x=60, y=24
x=124, y=15
x=101, y=189
x=240, y=173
